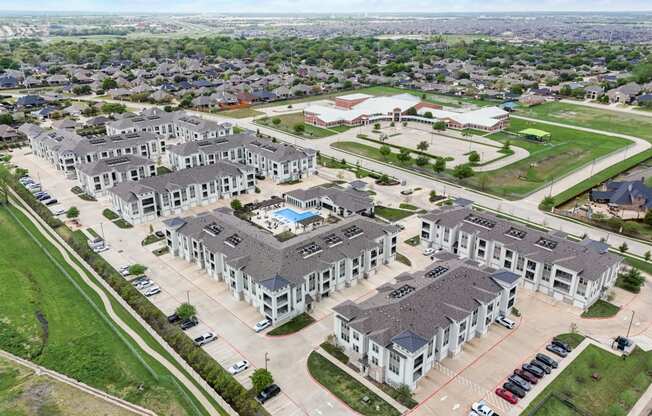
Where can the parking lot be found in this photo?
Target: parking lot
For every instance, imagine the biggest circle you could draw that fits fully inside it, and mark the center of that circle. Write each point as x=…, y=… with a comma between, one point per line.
x=448, y=389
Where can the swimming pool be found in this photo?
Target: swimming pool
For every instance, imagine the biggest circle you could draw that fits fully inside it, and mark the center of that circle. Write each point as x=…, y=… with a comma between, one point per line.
x=293, y=216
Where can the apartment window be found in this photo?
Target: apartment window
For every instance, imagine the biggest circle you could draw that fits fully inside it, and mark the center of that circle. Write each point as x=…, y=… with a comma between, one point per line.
x=464, y=240
x=497, y=251
x=520, y=263
x=374, y=360
x=447, y=234
x=355, y=347
x=474, y=319
x=356, y=337
x=430, y=345
x=547, y=270
x=394, y=362
x=374, y=348
x=447, y=333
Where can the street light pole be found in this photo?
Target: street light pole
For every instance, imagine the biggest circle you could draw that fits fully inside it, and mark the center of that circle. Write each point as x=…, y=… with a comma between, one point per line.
x=266, y=360
x=630, y=324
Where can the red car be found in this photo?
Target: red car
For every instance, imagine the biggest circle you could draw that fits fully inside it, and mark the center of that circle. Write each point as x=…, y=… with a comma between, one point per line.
x=526, y=375
x=507, y=395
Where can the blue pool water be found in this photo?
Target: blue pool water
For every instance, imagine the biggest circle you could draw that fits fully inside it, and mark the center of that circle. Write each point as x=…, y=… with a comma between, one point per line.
x=292, y=215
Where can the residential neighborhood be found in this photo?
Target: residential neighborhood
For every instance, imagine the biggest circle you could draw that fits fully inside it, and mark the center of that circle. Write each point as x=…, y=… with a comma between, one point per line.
x=326, y=212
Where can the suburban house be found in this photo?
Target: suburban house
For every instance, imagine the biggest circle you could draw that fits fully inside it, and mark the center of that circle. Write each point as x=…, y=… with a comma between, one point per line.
x=341, y=202
x=282, y=279
x=98, y=176
x=399, y=334
x=632, y=199
x=578, y=273
x=624, y=94
x=360, y=109
x=175, y=192
x=593, y=92
x=279, y=161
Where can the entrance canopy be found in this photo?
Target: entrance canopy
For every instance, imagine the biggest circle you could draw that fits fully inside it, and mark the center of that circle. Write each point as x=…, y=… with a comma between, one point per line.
x=535, y=134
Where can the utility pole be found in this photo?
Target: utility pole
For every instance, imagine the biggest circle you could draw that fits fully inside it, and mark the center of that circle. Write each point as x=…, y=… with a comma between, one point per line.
x=630, y=324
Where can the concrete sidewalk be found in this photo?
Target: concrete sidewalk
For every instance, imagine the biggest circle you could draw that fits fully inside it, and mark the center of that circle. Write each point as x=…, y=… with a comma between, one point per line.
x=363, y=381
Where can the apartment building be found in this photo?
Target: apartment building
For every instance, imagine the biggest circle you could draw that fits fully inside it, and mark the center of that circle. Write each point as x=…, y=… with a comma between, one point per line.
x=65, y=149
x=175, y=124
x=98, y=176
x=173, y=193
x=282, y=279
x=279, y=161
x=340, y=201
x=578, y=273
x=399, y=334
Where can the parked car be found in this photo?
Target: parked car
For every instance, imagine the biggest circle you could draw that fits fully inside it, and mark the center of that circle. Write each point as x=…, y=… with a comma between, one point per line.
x=540, y=365
x=144, y=284
x=204, y=339
x=262, y=325
x=159, y=234
x=238, y=367
x=507, y=395
x=534, y=369
x=561, y=344
x=429, y=251
x=482, y=409
x=50, y=201
x=260, y=177
x=531, y=378
x=506, y=322
x=557, y=350
x=151, y=291
x=547, y=360
x=174, y=318
x=518, y=392
x=42, y=196
x=520, y=381
x=267, y=393
x=188, y=323
x=58, y=211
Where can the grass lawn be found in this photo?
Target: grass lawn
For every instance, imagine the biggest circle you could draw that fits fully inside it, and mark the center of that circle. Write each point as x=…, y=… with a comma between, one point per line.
x=595, y=118
x=601, y=309
x=392, y=214
x=162, y=170
x=110, y=215
x=122, y=223
x=571, y=338
x=295, y=324
x=347, y=389
x=567, y=151
x=335, y=352
x=240, y=113
x=151, y=239
x=409, y=206
x=371, y=152
x=288, y=121
x=403, y=259
x=48, y=320
x=555, y=406
x=620, y=384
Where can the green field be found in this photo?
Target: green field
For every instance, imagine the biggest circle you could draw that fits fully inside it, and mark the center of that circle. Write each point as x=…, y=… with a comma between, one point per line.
x=567, y=150
x=595, y=118
x=288, y=121
x=240, y=113
x=60, y=325
x=618, y=386
x=392, y=214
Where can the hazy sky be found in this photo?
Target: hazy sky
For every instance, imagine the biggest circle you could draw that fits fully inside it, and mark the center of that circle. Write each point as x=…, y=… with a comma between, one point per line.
x=324, y=6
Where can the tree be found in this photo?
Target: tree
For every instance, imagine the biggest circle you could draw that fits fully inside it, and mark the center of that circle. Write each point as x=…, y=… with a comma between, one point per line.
x=113, y=108
x=260, y=379
x=433, y=196
x=547, y=204
x=109, y=84
x=427, y=114
x=412, y=111
x=185, y=311
x=383, y=179
x=507, y=145
x=404, y=155
x=385, y=151
x=463, y=171
x=623, y=247
x=423, y=146
x=439, y=125
x=72, y=212
x=632, y=280
x=236, y=205
x=422, y=161
x=276, y=121
x=377, y=126
x=647, y=255
x=483, y=182
x=440, y=165
x=6, y=118
x=474, y=157
x=299, y=128
x=648, y=217
x=137, y=269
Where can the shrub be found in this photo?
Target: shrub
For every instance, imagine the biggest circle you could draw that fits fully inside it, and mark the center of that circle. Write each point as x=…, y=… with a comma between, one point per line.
x=110, y=215
x=137, y=269
x=186, y=311
x=73, y=212
x=260, y=379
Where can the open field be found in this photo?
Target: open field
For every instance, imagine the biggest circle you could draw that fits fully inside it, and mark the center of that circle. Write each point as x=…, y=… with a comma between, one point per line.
x=595, y=118
x=23, y=393
x=240, y=113
x=50, y=321
x=289, y=121
x=619, y=385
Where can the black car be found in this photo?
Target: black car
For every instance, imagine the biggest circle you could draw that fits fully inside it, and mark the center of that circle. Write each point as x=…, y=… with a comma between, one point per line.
x=543, y=366
x=519, y=381
x=557, y=350
x=547, y=360
x=189, y=323
x=159, y=234
x=260, y=177
x=519, y=392
x=561, y=344
x=174, y=318
x=536, y=370
x=267, y=393
x=50, y=201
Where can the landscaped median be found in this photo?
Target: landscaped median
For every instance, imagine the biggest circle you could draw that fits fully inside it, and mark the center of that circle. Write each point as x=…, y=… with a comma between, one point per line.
x=353, y=393
x=601, y=309
x=295, y=324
